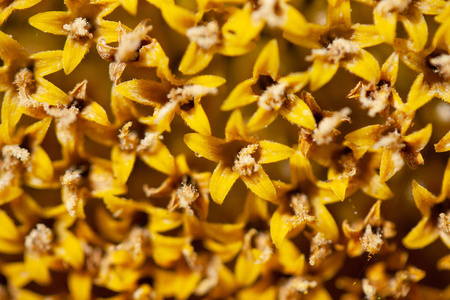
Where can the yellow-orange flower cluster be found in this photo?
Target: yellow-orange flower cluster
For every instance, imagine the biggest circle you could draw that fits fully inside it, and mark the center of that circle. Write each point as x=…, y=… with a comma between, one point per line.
x=112, y=149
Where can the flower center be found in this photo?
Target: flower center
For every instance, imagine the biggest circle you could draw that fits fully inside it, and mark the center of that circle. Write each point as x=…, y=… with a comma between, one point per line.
x=444, y=222
x=205, y=36
x=38, y=241
x=389, y=6
x=245, y=163
x=78, y=29
x=129, y=140
x=273, y=97
x=301, y=207
x=272, y=11
x=187, y=194
x=371, y=242
x=324, y=132
x=335, y=52
x=442, y=65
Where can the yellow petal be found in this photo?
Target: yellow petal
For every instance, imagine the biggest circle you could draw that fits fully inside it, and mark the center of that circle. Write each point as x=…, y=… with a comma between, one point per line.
x=74, y=52
x=196, y=119
x=143, y=91
x=389, y=70
x=241, y=95
x=259, y=183
x=70, y=249
x=207, y=146
x=178, y=18
x=160, y=159
x=10, y=231
x=207, y=80
x=280, y=226
x=195, y=59
x=47, y=62
x=418, y=95
x=416, y=27
x=375, y=187
x=122, y=163
x=240, y=28
x=325, y=222
x=386, y=24
x=226, y=252
x=246, y=271
x=418, y=139
x=80, y=285
x=167, y=249
x=51, y=21
x=221, y=182
x=268, y=61
x=37, y=268
x=108, y=30
x=365, y=66
x=41, y=164
x=261, y=119
x=423, y=198
x=130, y=6
x=94, y=112
x=321, y=73
x=389, y=164
x=423, y=234
x=235, y=128
x=298, y=112
x=273, y=152
x=366, y=35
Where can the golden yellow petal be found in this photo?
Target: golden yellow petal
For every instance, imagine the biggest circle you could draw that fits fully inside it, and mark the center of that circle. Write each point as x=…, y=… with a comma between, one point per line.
x=195, y=59
x=51, y=21
x=416, y=27
x=207, y=146
x=298, y=112
x=196, y=119
x=74, y=52
x=423, y=234
x=222, y=180
x=321, y=73
x=246, y=271
x=259, y=183
x=386, y=24
x=261, y=119
x=241, y=95
x=80, y=285
x=268, y=61
x=273, y=152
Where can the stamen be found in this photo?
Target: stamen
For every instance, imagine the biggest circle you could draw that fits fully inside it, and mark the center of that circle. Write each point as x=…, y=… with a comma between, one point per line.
x=273, y=97
x=320, y=249
x=148, y=143
x=324, y=132
x=369, y=290
x=245, y=164
x=371, y=242
x=129, y=140
x=38, y=241
x=335, y=52
x=206, y=36
x=442, y=64
x=79, y=29
x=295, y=285
x=444, y=222
x=274, y=12
x=301, y=207
x=187, y=194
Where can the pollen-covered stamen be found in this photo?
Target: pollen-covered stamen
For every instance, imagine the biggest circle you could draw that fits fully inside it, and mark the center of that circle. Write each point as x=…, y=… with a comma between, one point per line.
x=324, y=132
x=370, y=241
x=444, y=222
x=442, y=65
x=370, y=292
x=245, y=163
x=374, y=98
x=389, y=6
x=70, y=181
x=38, y=241
x=148, y=143
x=394, y=142
x=263, y=243
x=274, y=12
x=78, y=29
x=212, y=277
x=295, y=285
x=191, y=257
x=300, y=205
x=130, y=43
x=188, y=92
x=206, y=36
x=13, y=156
x=128, y=140
x=187, y=194
x=336, y=51
x=134, y=243
x=24, y=81
x=320, y=248
x=273, y=97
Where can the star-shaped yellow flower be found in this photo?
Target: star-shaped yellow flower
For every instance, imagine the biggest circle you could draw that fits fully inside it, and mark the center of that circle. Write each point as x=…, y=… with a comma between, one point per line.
x=238, y=156
x=82, y=23
x=274, y=94
x=435, y=212
x=224, y=29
